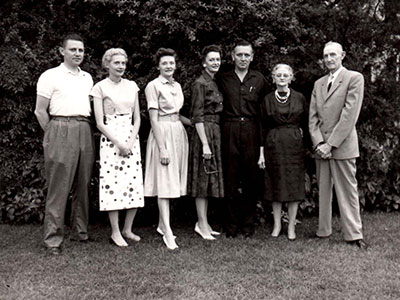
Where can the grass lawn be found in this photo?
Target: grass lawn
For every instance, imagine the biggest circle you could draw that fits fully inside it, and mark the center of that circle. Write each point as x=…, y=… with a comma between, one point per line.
x=257, y=268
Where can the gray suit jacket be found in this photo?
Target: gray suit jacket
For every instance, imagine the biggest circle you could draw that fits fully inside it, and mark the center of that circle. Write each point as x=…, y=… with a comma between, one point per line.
x=333, y=114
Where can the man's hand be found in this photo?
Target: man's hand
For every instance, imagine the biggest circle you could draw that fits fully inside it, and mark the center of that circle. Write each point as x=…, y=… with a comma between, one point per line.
x=324, y=151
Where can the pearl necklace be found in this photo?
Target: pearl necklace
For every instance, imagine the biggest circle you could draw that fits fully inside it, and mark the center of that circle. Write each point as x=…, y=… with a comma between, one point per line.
x=282, y=99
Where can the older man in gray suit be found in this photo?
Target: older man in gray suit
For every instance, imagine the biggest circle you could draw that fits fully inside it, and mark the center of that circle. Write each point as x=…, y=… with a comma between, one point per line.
x=334, y=109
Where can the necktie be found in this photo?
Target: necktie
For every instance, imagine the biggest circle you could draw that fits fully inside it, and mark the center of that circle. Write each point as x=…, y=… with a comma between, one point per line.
x=330, y=82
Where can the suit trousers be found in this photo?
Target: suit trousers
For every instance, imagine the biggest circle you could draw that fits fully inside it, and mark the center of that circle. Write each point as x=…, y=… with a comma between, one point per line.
x=240, y=151
x=342, y=175
x=69, y=155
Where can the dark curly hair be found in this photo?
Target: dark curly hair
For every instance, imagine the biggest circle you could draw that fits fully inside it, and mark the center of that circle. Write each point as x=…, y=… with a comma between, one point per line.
x=208, y=49
x=163, y=52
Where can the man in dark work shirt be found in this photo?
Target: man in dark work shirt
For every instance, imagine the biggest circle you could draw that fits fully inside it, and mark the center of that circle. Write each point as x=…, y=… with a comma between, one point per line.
x=243, y=91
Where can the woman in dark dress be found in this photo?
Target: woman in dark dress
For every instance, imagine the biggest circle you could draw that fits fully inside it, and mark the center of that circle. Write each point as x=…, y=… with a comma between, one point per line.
x=205, y=166
x=284, y=127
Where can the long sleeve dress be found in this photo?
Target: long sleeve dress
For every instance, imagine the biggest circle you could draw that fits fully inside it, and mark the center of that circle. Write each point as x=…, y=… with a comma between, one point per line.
x=284, y=127
x=205, y=176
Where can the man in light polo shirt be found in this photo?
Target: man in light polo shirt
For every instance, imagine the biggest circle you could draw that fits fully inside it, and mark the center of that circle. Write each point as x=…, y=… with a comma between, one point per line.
x=63, y=111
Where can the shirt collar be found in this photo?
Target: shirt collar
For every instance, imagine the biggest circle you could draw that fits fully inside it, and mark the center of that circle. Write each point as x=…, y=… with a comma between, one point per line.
x=206, y=76
x=66, y=70
x=250, y=73
x=336, y=73
x=164, y=80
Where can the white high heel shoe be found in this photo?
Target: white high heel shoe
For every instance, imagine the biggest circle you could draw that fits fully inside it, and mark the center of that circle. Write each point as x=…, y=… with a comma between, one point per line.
x=197, y=230
x=159, y=231
x=170, y=246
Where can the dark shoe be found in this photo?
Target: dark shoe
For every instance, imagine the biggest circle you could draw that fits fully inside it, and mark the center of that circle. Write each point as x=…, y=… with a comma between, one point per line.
x=88, y=240
x=231, y=234
x=248, y=232
x=321, y=237
x=359, y=243
x=54, y=251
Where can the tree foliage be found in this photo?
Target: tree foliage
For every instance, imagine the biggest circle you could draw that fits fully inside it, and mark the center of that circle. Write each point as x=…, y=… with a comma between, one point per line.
x=281, y=31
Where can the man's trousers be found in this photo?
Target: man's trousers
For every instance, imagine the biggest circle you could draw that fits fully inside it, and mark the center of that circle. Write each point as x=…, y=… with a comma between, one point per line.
x=240, y=153
x=69, y=155
x=342, y=175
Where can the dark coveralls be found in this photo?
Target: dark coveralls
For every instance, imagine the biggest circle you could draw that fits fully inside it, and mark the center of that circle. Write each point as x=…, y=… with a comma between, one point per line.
x=241, y=141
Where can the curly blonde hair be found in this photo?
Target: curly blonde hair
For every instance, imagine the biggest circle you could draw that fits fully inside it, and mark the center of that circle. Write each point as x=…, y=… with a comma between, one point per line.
x=110, y=53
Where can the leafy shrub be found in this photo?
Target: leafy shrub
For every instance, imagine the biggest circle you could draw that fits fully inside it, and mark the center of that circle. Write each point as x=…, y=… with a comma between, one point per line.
x=282, y=31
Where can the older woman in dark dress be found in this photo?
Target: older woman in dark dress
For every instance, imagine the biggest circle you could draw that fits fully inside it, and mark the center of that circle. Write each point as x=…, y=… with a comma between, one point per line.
x=284, y=123
x=205, y=166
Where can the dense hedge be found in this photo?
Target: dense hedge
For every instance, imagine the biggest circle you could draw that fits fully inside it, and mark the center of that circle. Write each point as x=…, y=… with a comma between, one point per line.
x=282, y=31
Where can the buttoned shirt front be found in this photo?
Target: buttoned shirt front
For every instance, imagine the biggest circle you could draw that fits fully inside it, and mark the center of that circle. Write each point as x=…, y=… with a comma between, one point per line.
x=68, y=92
x=242, y=99
x=206, y=98
x=164, y=95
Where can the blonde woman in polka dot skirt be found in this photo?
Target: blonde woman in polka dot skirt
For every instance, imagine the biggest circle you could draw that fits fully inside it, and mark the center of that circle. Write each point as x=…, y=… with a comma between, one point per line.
x=121, y=183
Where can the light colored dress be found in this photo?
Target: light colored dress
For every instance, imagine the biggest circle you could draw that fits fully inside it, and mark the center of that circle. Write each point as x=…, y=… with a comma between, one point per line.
x=121, y=178
x=166, y=181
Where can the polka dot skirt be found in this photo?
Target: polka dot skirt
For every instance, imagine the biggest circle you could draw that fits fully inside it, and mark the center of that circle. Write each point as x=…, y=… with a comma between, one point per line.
x=121, y=179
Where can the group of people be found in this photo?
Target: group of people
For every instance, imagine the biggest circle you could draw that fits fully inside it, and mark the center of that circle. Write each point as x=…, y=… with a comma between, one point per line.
x=239, y=129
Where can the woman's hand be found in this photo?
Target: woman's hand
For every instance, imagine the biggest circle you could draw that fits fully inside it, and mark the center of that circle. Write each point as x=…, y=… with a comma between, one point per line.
x=207, y=152
x=124, y=150
x=261, y=162
x=164, y=159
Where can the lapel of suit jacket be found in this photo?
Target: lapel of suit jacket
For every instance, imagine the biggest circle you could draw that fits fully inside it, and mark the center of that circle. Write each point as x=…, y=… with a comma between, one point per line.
x=325, y=87
x=336, y=84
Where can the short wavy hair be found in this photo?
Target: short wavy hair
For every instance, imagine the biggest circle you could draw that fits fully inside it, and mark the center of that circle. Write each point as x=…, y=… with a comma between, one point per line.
x=110, y=53
x=71, y=37
x=277, y=66
x=164, y=52
x=208, y=49
x=243, y=42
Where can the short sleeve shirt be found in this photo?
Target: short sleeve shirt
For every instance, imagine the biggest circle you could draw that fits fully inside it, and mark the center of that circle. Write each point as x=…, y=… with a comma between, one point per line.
x=165, y=96
x=242, y=99
x=118, y=98
x=68, y=92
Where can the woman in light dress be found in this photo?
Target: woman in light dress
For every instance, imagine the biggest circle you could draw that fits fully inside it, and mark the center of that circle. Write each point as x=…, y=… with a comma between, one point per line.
x=121, y=183
x=167, y=145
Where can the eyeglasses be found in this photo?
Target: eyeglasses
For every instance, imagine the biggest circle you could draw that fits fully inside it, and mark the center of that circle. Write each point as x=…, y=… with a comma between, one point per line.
x=205, y=163
x=282, y=75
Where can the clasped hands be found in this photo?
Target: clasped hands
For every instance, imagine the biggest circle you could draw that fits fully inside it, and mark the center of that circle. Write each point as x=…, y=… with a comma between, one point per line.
x=323, y=150
x=125, y=150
